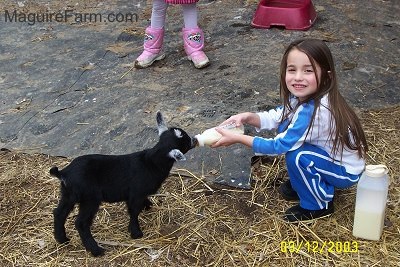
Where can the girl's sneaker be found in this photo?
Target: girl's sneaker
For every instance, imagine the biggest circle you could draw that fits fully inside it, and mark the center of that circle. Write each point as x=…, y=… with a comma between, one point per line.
x=299, y=214
x=287, y=192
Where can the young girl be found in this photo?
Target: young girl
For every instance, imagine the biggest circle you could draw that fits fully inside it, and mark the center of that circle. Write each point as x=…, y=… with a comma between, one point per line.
x=320, y=135
x=193, y=36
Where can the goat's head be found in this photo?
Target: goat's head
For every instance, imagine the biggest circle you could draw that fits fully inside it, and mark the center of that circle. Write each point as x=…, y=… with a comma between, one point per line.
x=176, y=139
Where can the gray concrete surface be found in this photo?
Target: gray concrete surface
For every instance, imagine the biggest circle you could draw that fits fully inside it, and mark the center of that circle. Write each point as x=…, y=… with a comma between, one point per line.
x=65, y=88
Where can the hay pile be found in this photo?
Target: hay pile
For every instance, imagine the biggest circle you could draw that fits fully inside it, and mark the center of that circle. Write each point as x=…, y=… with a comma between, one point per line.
x=190, y=225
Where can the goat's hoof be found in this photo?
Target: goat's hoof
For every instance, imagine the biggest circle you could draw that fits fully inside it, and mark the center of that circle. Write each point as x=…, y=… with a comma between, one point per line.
x=147, y=204
x=97, y=252
x=62, y=240
x=136, y=235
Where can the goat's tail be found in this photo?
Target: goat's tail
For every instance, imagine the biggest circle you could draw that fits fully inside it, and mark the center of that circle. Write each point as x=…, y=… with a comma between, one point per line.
x=55, y=172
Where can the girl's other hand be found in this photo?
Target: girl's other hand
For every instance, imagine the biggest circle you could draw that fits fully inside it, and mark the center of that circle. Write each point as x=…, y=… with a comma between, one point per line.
x=238, y=120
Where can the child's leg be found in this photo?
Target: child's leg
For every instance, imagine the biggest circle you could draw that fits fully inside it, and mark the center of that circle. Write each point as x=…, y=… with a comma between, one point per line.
x=193, y=37
x=158, y=14
x=314, y=176
x=154, y=36
x=190, y=15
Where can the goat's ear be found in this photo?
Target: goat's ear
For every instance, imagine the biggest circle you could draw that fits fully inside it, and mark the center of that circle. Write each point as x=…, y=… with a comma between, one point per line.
x=161, y=126
x=178, y=133
x=177, y=155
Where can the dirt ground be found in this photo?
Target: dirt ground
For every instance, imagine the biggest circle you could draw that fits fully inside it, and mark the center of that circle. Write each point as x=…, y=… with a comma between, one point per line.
x=68, y=88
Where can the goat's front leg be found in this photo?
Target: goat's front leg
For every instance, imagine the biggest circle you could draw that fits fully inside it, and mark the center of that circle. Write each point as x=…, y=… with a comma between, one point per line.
x=135, y=206
x=64, y=208
x=87, y=212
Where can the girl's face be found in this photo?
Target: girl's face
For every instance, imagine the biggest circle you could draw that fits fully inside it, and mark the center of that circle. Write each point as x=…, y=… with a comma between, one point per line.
x=301, y=78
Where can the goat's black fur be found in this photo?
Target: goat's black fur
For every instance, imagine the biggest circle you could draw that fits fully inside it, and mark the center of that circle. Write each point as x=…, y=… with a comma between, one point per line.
x=92, y=179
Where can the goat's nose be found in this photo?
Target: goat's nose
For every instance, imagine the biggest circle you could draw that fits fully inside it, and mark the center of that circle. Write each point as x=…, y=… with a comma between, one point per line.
x=195, y=142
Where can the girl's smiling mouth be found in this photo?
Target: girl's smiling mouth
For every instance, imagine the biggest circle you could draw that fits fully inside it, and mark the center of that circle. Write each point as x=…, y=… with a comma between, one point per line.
x=299, y=86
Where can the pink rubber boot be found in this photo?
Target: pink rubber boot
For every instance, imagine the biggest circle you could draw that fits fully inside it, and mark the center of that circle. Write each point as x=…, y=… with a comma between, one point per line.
x=194, y=42
x=153, y=41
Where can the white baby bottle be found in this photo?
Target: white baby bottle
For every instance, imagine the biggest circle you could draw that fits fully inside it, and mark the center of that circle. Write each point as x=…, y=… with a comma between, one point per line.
x=371, y=198
x=210, y=136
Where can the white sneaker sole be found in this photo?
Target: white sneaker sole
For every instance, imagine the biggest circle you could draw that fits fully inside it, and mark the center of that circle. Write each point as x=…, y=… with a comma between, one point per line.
x=145, y=65
x=200, y=65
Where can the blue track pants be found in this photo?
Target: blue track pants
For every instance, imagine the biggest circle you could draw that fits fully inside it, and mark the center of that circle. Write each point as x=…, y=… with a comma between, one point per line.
x=314, y=176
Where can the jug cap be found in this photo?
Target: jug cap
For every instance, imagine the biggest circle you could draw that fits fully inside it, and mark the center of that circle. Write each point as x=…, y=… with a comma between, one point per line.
x=376, y=170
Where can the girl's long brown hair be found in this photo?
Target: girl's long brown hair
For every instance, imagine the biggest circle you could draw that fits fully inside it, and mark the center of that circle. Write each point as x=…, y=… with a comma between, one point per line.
x=345, y=120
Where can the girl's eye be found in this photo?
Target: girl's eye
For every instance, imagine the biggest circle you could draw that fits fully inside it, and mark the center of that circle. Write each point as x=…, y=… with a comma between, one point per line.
x=309, y=70
x=291, y=70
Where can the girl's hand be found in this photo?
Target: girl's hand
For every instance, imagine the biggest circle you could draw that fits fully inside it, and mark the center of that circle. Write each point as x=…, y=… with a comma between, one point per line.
x=228, y=138
x=243, y=118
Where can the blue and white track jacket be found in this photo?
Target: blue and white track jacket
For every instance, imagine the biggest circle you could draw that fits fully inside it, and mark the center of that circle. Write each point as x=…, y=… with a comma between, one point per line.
x=292, y=137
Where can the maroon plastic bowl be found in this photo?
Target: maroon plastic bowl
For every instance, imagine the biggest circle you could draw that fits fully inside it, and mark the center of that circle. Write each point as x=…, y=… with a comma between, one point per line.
x=290, y=14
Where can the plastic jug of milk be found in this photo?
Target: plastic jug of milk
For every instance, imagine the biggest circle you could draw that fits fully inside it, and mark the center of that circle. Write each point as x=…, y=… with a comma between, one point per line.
x=210, y=136
x=371, y=198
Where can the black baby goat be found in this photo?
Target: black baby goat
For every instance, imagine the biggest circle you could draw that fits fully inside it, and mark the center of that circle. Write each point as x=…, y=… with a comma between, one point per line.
x=92, y=179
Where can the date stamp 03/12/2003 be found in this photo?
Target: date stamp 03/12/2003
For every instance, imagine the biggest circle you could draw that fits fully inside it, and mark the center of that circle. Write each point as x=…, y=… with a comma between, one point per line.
x=319, y=246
